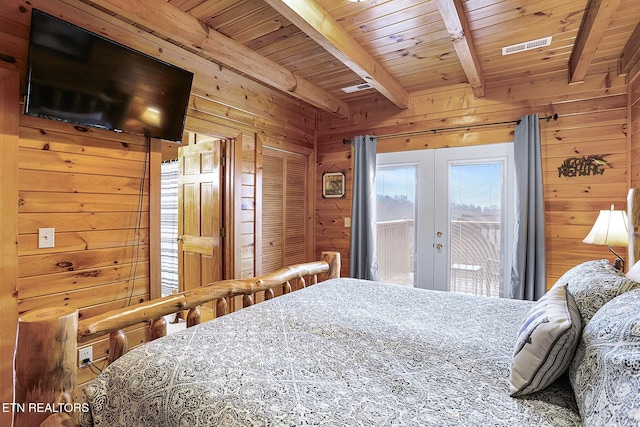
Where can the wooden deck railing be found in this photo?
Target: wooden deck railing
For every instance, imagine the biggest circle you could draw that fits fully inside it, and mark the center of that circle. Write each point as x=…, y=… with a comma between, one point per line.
x=475, y=257
x=474, y=252
x=395, y=245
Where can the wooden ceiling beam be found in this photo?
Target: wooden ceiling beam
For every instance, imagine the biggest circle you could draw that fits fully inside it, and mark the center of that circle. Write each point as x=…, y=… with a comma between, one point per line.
x=631, y=52
x=314, y=21
x=456, y=22
x=594, y=24
x=168, y=21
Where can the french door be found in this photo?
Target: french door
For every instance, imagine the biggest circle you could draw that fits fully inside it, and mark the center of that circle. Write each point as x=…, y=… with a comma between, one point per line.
x=445, y=218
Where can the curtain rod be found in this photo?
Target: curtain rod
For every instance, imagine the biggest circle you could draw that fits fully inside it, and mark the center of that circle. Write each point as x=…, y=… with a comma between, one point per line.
x=419, y=132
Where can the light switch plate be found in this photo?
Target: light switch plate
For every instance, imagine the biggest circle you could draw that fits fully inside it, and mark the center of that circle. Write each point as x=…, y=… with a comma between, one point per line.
x=46, y=237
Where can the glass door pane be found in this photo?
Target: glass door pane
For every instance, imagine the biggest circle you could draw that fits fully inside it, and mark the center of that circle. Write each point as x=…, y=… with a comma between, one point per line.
x=474, y=219
x=475, y=212
x=395, y=223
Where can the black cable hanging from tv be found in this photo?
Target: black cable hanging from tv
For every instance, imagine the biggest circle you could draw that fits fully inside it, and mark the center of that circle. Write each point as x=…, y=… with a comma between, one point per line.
x=134, y=270
x=421, y=132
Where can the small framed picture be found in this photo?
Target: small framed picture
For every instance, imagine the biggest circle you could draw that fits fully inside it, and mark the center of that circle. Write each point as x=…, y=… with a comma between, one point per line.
x=333, y=185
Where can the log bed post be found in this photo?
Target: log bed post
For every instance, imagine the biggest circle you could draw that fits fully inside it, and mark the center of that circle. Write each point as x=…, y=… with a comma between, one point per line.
x=333, y=259
x=247, y=300
x=194, y=317
x=633, y=215
x=45, y=366
x=157, y=329
x=222, y=308
x=269, y=294
x=117, y=345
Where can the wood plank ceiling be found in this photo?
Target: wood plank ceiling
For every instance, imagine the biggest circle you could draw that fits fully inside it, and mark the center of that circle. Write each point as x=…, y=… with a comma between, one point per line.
x=312, y=49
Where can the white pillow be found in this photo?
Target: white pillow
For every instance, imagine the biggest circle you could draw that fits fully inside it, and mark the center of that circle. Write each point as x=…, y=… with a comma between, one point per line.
x=546, y=342
x=605, y=372
x=634, y=272
x=592, y=284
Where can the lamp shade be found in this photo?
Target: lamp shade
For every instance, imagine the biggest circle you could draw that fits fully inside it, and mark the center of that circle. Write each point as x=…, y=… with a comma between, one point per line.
x=611, y=228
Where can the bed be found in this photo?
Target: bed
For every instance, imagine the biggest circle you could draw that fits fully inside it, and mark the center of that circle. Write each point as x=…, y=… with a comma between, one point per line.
x=347, y=352
x=369, y=354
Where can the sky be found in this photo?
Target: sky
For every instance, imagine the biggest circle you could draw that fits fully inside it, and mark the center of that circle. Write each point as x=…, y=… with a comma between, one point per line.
x=399, y=180
x=477, y=184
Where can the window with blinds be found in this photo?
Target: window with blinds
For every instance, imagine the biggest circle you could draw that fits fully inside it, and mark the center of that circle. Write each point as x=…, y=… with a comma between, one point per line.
x=169, y=227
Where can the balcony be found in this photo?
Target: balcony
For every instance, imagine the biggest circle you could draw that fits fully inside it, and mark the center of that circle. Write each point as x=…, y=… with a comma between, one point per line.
x=475, y=256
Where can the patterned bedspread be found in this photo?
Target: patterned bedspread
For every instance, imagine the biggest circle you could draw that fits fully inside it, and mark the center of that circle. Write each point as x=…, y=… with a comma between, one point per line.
x=341, y=353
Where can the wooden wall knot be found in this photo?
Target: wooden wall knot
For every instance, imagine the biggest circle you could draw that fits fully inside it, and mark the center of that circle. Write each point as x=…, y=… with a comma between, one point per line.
x=65, y=264
x=94, y=273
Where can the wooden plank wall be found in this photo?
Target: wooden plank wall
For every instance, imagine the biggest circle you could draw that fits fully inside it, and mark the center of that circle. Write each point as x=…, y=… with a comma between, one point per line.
x=85, y=182
x=592, y=121
x=9, y=112
x=86, y=185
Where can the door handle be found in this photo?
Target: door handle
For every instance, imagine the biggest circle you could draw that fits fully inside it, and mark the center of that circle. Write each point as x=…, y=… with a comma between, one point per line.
x=179, y=239
x=439, y=246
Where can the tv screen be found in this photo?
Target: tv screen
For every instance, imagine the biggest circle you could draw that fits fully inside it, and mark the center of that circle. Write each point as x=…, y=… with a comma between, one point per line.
x=77, y=76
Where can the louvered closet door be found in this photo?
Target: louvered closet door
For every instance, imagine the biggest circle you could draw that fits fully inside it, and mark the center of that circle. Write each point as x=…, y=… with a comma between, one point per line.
x=284, y=182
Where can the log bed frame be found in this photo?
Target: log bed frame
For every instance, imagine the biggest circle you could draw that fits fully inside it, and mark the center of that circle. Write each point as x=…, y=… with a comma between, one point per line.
x=45, y=365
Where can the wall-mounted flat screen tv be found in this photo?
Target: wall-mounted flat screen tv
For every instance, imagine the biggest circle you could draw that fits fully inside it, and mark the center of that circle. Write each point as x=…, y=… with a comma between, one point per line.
x=80, y=77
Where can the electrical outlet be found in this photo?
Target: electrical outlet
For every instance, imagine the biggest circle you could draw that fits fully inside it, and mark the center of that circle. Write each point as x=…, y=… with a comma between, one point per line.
x=84, y=354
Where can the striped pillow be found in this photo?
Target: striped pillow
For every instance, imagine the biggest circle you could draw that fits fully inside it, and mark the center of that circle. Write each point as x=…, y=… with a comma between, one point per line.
x=546, y=342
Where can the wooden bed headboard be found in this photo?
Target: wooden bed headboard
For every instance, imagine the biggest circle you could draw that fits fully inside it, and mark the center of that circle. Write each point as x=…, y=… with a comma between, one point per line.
x=633, y=212
x=45, y=365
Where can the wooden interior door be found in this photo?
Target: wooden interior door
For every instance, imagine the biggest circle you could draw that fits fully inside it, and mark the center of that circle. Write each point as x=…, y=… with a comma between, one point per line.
x=199, y=215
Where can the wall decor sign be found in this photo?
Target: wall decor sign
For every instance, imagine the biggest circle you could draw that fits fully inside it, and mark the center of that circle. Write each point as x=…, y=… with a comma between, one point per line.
x=333, y=185
x=582, y=166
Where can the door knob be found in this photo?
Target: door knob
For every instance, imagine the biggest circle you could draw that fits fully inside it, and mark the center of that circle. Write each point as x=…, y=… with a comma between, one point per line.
x=439, y=233
x=179, y=239
x=439, y=246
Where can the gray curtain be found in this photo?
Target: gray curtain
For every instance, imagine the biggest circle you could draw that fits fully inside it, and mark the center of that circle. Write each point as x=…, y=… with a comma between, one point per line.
x=363, y=263
x=528, y=273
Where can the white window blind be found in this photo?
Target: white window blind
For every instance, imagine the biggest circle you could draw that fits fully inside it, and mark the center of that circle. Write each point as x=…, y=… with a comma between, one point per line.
x=169, y=226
